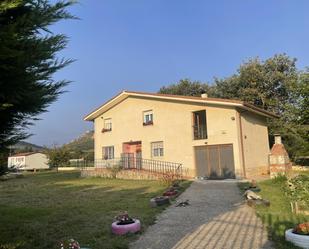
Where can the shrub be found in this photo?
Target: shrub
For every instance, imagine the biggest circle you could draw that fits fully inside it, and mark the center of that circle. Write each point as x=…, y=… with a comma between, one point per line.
x=115, y=169
x=169, y=177
x=297, y=189
x=280, y=178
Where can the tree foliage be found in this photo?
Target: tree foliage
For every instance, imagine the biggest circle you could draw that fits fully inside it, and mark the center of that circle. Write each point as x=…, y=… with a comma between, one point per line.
x=270, y=84
x=27, y=63
x=58, y=156
x=275, y=85
x=186, y=87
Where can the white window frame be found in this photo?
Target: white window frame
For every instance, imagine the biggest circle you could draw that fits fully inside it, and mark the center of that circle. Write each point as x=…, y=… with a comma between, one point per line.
x=108, y=152
x=157, y=149
x=108, y=124
x=148, y=117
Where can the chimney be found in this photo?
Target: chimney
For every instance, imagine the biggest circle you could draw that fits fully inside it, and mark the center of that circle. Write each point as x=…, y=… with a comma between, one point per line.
x=277, y=139
x=204, y=95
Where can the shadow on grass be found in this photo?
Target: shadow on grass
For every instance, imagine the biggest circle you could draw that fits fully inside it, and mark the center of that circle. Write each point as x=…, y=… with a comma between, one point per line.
x=50, y=207
x=278, y=217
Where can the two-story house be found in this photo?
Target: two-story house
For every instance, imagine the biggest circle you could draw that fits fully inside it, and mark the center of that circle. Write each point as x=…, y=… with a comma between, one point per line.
x=208, y=136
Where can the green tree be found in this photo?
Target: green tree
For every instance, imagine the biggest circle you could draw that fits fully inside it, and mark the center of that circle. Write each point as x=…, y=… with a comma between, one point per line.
x=27, y=63
x=186, y=87
x=278, y=86
x=58, y=156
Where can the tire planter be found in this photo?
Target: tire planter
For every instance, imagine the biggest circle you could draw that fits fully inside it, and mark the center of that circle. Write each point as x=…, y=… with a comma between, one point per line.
x=297, y=239
x=159, y=201
x=170, y=193
x=127, y=228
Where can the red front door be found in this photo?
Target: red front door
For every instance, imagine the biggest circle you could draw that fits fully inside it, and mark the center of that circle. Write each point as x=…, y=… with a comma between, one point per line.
x=132, y=152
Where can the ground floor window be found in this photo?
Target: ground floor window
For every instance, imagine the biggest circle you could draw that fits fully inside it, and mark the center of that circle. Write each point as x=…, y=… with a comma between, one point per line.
x=108, y=152
x=157, y=149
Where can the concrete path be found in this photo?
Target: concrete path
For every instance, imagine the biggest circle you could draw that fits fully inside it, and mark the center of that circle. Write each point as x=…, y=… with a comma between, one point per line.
x=216, y=218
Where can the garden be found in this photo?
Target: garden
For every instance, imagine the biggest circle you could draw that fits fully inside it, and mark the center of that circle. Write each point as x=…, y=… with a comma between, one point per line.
x=288, y=209
x=41, y=210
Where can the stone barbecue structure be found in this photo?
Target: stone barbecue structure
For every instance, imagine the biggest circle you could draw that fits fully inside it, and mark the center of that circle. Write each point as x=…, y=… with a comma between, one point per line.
x=279, y=161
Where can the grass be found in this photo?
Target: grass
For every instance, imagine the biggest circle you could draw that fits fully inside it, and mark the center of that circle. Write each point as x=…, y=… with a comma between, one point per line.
x=41, y=209
x=278, y=217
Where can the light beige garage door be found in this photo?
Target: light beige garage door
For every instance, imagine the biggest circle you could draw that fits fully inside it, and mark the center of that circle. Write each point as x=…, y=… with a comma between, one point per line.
x=215, y=161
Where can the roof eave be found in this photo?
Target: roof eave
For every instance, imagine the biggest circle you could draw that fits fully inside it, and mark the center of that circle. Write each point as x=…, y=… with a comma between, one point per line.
x=259, y=111
x=97, y=112
x=124, y=94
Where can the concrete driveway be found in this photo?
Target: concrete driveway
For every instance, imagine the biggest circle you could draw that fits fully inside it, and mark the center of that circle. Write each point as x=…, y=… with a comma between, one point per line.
x=216, y=218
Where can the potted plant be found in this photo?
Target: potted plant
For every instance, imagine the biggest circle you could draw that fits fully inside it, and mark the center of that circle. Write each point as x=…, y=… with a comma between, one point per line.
x=148, y=123
x=106, y=130
x=299, y=235
x=171, y=192
x=124, y=224
x=69, y=244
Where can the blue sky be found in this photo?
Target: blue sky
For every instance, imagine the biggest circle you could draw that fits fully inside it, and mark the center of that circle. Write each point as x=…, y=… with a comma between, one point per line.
x=142, y=45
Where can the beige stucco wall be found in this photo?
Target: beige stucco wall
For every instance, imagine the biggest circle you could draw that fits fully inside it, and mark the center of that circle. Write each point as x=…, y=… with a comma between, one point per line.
x=172, y=125
x=37, y=161
x=256, y=145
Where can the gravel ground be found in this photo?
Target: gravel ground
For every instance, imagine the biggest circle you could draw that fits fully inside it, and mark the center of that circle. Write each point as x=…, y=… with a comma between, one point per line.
x=216, y=218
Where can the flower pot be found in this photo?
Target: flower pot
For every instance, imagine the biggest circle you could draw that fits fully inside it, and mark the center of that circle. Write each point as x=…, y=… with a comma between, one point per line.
x=126, y=228
x=170, y=193
x=159, y=201
x=297, y=239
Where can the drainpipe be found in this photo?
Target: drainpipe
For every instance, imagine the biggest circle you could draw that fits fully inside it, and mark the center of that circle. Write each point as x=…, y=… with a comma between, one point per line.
x=242, y=145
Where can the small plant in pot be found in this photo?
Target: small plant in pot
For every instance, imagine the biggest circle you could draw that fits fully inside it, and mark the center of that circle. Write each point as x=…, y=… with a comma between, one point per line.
x=302, y=229
x=176, y=184
x=69, y=244
x=299, y=236
x=124, y=224
x=171, y=192
x=124, y=219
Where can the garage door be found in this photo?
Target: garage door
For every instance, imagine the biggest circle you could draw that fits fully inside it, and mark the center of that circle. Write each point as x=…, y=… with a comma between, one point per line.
x=215, y=161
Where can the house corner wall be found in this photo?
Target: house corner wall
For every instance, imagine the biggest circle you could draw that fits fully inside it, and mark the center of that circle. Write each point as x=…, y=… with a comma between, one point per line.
x=36, y=161
x=255, y=144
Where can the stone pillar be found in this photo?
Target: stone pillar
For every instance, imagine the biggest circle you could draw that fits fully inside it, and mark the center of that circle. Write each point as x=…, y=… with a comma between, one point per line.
x=279, y=162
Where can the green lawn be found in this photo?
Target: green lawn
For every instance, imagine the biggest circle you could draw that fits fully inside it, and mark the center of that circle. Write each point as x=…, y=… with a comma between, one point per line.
x=278, y=217
x=41, y=209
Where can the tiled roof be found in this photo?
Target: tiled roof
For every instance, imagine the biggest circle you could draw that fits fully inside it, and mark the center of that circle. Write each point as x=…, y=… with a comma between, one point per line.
x=25, y=154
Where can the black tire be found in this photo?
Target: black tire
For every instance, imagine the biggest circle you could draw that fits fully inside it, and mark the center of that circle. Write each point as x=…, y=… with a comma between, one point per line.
x=159, y=201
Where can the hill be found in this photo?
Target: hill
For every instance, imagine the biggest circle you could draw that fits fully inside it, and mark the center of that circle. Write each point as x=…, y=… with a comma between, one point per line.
x=84, y=142
x=23, y=146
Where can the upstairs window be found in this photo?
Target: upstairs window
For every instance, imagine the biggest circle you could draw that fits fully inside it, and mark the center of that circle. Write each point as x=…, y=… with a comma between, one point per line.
x=199, y=125
x=157, y=149
x=107, y=125
x=108, y=152
x=148, y=117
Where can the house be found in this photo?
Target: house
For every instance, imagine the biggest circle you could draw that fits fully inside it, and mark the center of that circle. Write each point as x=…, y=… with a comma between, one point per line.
x=208, y=136
x=28, y=161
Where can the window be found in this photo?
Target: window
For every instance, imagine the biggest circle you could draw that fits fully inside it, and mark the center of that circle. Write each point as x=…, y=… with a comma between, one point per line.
x=108, y=152
x=157, y=149
x=199, y=125
x=107, y=125
x=148, y=118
